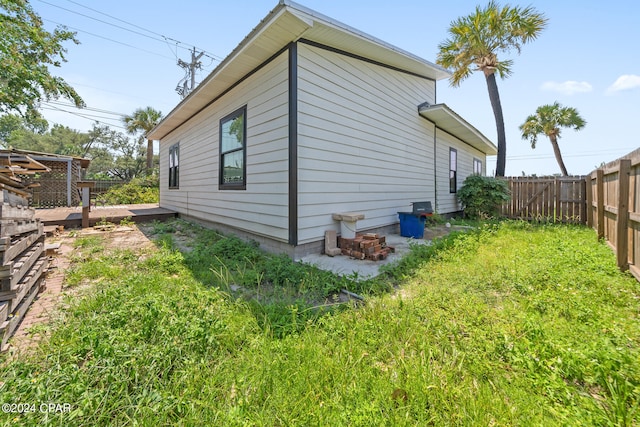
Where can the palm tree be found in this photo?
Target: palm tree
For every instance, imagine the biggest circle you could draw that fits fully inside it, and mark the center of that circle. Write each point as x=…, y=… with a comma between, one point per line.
x=474, y=43
x=548, y=120
x=144, y=119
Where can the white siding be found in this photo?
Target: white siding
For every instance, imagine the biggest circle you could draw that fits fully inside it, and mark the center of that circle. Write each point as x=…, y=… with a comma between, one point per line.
x=447, y=202
x=262, y=207
x=361, y=144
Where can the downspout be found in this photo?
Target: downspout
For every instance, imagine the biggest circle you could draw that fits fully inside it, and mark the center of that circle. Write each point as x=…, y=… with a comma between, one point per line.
x=435, y=168
x=435, y=152
x=293, y=144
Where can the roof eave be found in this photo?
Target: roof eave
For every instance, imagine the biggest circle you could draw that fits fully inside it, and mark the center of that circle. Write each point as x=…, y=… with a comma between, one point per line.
x=171, y=121
x=448, y=120
x=298, y=21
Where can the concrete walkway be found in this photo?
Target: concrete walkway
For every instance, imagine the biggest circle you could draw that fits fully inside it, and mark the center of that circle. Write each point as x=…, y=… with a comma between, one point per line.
x=364, y=269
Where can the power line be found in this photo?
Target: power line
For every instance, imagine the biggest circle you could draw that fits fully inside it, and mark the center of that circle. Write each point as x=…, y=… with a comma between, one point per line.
x=191, y=68
x=100, y=20
x=129, y=95
x=162, y=39
x=83, y=116
x=97, y=110
x=120, y=20
x=108, y=39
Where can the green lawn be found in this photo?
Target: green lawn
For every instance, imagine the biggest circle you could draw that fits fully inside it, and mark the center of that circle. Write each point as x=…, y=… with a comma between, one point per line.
x=512, y=324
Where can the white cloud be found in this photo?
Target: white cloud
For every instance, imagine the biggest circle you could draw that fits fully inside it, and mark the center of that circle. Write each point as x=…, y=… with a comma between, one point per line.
x=624, y=82
x=569, y=87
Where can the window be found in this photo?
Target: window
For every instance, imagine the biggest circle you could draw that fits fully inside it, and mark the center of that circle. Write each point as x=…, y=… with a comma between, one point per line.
x=477, y=166
x=233, y=142
x=174, y=170
x=453, y=170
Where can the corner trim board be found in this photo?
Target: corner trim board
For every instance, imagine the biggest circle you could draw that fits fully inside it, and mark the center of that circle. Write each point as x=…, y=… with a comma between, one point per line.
x=293, y=144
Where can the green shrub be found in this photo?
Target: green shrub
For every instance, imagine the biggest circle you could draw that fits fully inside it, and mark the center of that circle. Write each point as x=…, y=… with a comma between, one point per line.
x=138, y=190
x=481, y=196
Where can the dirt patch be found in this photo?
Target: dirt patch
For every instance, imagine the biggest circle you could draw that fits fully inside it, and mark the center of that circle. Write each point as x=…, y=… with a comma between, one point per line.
x=46, y=308
x=118, y=237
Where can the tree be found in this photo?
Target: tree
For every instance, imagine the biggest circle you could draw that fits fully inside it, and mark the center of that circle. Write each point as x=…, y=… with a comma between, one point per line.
x=548, y=120
x=127, y=161
x=144, y=119
x=474, y=43
x=27, y=51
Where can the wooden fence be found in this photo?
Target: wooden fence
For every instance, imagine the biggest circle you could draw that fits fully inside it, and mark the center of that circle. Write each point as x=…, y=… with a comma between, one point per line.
x=552, y=199
x=613, y=200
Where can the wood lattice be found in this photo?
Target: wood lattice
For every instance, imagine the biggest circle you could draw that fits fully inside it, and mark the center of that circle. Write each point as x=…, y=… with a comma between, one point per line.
x=52, y=191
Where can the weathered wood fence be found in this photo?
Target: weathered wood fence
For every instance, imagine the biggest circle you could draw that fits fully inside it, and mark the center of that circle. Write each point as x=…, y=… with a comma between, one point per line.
x=550, y=199
x=608, y=200
x=613, y=200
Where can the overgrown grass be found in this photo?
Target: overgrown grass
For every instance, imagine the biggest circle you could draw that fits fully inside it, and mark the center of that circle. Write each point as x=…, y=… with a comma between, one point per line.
x=282, y=295
x=509, y=325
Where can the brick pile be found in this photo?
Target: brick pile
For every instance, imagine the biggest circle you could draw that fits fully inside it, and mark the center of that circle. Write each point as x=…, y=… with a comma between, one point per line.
x=369, y=246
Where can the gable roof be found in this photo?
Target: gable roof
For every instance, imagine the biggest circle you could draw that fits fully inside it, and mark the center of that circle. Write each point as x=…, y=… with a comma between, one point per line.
x=448, y=120
x=286, y=23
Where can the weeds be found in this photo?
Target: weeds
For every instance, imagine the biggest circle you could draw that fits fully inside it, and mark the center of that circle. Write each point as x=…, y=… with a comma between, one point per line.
x=126, y=222
x=510, y=324
x=104, y=222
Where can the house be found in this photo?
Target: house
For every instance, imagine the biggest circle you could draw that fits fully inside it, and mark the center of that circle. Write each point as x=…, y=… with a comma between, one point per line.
x=308, y=117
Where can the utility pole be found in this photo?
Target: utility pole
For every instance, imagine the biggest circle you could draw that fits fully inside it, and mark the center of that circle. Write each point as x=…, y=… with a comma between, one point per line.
x=183, y=88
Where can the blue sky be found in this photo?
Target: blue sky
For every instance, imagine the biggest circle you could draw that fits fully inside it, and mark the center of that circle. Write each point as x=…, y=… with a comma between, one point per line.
x=587, y=58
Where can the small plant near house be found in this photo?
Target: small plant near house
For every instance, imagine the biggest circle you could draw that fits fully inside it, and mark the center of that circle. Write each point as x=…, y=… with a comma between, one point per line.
x=482, y=196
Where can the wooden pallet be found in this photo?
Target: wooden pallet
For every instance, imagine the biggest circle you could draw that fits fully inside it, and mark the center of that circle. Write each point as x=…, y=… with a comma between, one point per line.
x=9, y=326
x=19, y=212
x=12, y=273
x=11, y=199
x=12, y=227
x=11, y=247
x=4, y=311
x=15, y=297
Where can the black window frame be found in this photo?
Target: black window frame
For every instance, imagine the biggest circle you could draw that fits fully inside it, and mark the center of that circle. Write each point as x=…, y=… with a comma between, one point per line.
x=239, y=185
x=174, y=166
x=453, y=170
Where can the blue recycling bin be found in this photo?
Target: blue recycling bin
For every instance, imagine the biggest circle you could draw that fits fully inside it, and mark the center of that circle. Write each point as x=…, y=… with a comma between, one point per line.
x=411, y=225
